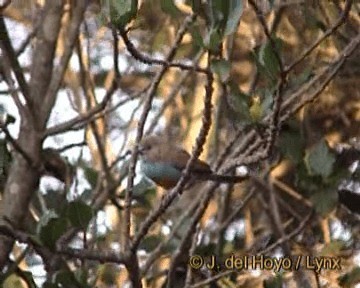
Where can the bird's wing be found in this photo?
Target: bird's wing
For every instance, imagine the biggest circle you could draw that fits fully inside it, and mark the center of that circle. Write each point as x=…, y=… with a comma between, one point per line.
x=178, y=158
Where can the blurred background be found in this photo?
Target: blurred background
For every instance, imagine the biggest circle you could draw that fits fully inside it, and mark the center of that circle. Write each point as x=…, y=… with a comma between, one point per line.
x=284, y=107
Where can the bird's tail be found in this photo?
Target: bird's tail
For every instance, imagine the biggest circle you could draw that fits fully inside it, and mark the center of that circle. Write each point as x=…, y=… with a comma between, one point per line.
x=223, y=178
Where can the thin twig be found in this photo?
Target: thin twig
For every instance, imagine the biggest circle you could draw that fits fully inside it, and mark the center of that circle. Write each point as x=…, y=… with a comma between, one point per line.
x=147, y=106
x=296, y=101
x=151, y=61
x=327, y=33
x=200, y=140
x=59, y=128
x=191, y=253
x=168, y=199
x=70, y=146
x=212, y=279
x=11, y=54
x=155, y=254
x=288, y=236
x=170, y=98
x=274, y=128
x=236, y=212
x=16, y=146
x=77, y=15
x=83, y=254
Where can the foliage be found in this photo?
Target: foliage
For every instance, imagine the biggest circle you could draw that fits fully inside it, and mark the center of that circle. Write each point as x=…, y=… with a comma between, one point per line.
x=247, y=85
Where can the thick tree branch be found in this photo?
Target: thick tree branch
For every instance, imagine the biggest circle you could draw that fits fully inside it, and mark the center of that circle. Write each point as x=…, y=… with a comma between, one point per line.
x=7, y=47
x=23, y=177
x=77, y=14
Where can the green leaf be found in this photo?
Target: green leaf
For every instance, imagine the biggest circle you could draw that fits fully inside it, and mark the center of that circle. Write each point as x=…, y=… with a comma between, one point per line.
x=213, y=40
x=240, y=103
x=267, y=102
x=236, y=9
x=256, y=111
x=196, y=35
x=292, y=145
x=122, y=11
x=10, y=119
x=150, y=243
x=169, y=7
x=333, y=248
x=319, y=160
x=45, y=218
x=107, y=273
x=303, y=77
x=28, y=277
x=195, y=5
x=51, y=229
x=219, y=12
x=221, y=68
x=86, y=195
x=267, y=58
x=350, y=279
x=82, y=275
x=13, y=281
x=5, y=117
x=274, y=282
x=65, y=278
x=47, y=284
x=79, y=214
x=324, y=201
x=5, y=162
x=91, y=175
x=54, y=200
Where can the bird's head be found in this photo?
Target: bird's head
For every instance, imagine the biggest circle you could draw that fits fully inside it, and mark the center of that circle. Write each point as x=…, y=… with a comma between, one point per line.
x=149, y=144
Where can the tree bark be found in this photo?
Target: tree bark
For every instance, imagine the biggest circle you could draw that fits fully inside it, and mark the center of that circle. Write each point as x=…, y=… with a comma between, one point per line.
x=24, y=175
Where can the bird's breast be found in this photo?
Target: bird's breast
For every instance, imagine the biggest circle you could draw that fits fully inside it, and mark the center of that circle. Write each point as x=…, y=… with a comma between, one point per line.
x=161, y=173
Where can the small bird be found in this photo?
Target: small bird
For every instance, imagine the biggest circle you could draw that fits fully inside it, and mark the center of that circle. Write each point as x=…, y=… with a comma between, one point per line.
x=163, y=163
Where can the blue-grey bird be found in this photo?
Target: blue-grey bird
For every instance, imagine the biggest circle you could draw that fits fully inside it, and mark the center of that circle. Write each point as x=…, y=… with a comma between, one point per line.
x=163, y=163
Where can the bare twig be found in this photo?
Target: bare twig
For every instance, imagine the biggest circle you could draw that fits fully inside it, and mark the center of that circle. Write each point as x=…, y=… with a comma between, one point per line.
x=7, y=47
x=5, y=70
x=262, y=20
x=116, y=55
x=168, y=199
x=296, y=101
x=284, y=187
x=133, y=265
x=15, y=144
x=182, y=250
x=70, y=146
x=288, y=236
x=155, y=254
x=83, y=254
x=235, y=213
x=192, y=252
x=84, y=118
x=77, y=15
x=148, y=60
x=212, y=279
x=147, y=106
x=274, y=128
x=327, y=33
x=170, y=98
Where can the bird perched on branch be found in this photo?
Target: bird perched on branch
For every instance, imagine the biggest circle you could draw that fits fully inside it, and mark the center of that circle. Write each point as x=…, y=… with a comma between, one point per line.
x=163, y=163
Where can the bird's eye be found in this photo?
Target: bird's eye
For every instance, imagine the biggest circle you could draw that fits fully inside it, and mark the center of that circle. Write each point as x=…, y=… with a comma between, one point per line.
x=146, y=147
